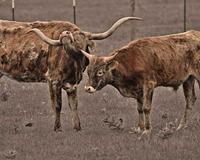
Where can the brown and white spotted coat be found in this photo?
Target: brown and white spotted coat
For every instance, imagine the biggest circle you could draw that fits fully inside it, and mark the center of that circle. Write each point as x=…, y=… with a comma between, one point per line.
x=25, y=58
x=144, y=64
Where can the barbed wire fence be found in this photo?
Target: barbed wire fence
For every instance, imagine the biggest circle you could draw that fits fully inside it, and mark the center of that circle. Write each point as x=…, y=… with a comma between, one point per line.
x=13, y=9
x=164, y=18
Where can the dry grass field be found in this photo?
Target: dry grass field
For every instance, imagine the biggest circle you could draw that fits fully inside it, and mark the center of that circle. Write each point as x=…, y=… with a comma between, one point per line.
x=26, y=118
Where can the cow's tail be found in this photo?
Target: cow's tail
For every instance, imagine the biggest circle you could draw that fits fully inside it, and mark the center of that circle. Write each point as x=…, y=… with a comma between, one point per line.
x=194, y=97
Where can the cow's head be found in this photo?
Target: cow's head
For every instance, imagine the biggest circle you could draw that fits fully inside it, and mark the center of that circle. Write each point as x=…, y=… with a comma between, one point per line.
x=70, y=41
x=80, y=40
x=100, y=71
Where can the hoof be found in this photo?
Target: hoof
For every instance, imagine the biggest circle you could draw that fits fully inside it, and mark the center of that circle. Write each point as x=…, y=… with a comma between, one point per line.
x=194, y=100
x=58, y=129
x=181, y=126
x=76, y=122
x=77, y=127
x=135, y=130
x=146, y=133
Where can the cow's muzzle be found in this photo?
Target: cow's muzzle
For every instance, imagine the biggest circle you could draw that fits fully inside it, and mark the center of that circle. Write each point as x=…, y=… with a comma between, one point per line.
x=90, y=89
x=69, y=87
x=66, y=37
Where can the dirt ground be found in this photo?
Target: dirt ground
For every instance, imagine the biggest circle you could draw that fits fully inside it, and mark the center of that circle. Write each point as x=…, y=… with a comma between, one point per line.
x=26, y=118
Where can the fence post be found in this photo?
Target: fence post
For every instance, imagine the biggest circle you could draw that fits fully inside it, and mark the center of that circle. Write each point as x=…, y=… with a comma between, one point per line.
x=132, y=4
x=185, y=25
x=13, y=10
x=74, y=10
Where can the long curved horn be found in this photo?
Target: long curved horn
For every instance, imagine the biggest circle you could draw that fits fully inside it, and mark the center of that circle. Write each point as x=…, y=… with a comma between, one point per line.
x=89, y=56
x=109, y=32
x=45, y=38
x=108, y=58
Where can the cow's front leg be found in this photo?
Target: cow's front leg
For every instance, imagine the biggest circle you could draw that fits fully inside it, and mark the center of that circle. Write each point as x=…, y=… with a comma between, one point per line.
x=147, y=102
x=141, y=124
x=56, y=102
x=73, y=104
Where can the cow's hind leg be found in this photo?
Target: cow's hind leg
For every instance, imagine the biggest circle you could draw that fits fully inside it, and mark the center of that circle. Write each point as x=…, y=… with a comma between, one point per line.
x=73, y=104
x=194, y=98
x=56, y=100
x=188, y=88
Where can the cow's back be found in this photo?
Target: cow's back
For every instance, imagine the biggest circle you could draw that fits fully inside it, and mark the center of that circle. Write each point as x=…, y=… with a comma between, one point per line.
x=15, y=33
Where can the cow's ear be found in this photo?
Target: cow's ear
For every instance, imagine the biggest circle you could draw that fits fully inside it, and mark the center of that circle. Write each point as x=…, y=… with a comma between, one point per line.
x=111, y=65
x=90, y=46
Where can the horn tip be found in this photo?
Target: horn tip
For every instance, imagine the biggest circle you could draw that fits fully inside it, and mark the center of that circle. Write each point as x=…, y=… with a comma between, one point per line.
x=136, y=18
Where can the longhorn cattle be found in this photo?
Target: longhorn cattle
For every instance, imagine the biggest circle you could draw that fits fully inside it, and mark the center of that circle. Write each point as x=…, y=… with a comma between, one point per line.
x=138, y=68
x=49, y=52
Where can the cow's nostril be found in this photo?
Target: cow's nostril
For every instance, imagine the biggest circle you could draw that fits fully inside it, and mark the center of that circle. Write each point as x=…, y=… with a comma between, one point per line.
x=89, y=89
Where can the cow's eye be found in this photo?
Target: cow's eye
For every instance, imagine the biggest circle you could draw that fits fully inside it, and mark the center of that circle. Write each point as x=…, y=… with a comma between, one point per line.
x=100, y=73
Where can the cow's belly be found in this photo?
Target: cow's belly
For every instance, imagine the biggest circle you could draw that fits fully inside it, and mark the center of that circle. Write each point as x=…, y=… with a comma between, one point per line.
x=173, y=77
x=134, y=90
